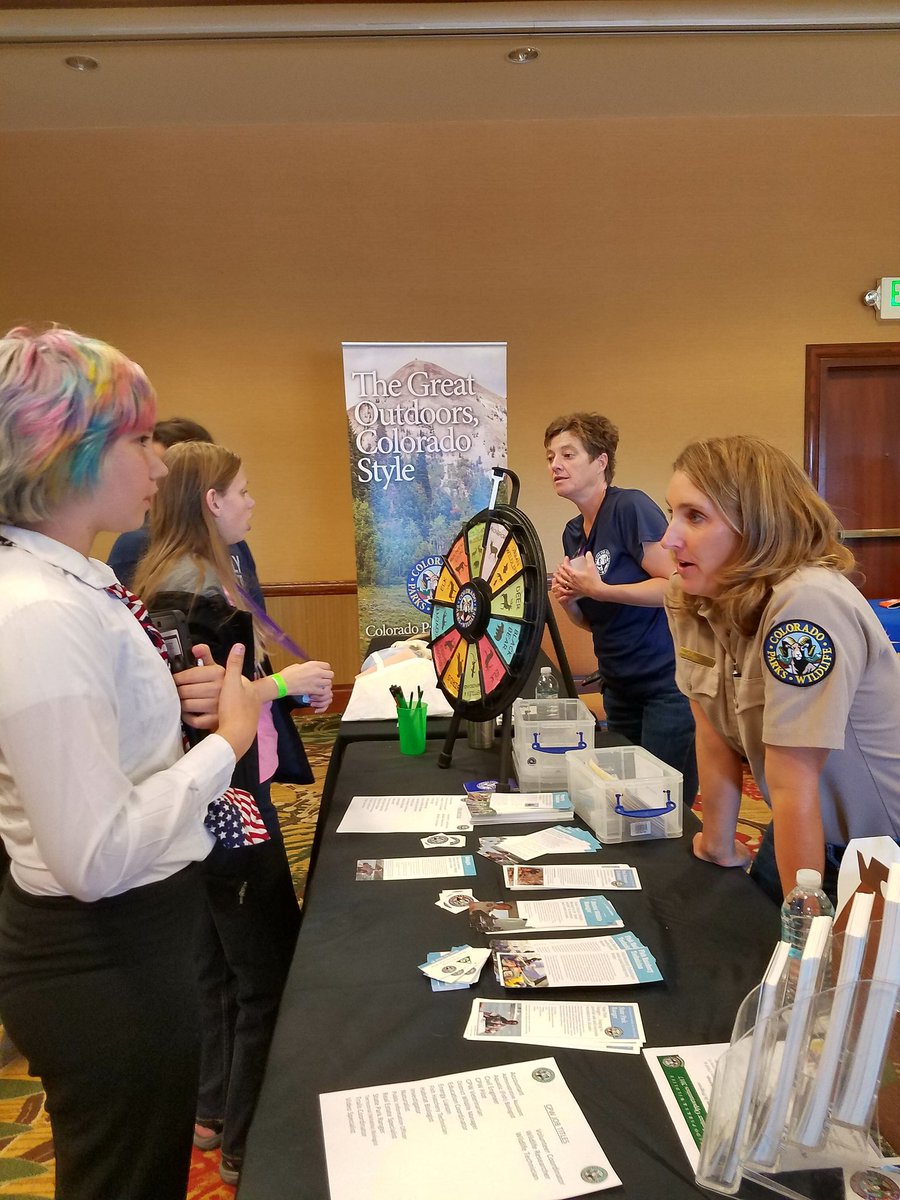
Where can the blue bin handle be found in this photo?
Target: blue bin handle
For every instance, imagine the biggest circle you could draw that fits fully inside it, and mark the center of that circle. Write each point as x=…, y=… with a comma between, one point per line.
x=645, y=812
x=536, y=745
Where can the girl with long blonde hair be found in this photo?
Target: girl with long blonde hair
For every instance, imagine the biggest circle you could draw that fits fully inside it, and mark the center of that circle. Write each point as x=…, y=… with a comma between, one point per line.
x=203, y=507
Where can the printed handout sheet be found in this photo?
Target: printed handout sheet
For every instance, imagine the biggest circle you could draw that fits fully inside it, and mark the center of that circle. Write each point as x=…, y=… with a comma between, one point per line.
x=406, y=814
x=516, y=1128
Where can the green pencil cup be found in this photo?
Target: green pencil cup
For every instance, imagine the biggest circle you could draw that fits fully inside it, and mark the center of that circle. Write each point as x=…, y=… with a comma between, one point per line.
x=411, y=727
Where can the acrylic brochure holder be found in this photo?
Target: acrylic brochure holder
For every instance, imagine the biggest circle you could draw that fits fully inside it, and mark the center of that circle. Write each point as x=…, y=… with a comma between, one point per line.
x=795, y=1095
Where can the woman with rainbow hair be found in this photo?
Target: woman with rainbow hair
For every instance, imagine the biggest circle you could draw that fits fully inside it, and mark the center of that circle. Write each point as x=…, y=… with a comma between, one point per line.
x=102, y=812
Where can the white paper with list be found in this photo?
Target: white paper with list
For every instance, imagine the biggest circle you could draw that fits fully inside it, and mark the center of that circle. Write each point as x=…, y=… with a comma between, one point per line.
x=405, y=814
x=516, y=1125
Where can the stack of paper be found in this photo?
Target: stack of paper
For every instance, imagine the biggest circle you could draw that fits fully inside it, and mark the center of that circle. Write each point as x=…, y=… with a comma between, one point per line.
x=558, y=876
x=439, y=985
x=496, y=807
x=581, y=1025
x=526, y=916
x=462, y=965
x=555, y=840
x=615, y=961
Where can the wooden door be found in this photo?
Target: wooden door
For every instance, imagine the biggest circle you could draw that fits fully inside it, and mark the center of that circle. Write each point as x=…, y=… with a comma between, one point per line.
x=853, y=451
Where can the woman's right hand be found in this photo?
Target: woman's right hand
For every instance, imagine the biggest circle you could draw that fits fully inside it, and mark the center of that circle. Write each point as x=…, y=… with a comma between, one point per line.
x=239, y=705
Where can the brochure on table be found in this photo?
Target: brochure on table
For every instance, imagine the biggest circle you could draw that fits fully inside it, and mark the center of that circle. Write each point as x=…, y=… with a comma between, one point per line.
x=515, y=1129
x=684, y=1076
x=498, y=808
x=498, y=917
x=618, y=959
x=434, y=866
x=558, y=876
x=577, y=1024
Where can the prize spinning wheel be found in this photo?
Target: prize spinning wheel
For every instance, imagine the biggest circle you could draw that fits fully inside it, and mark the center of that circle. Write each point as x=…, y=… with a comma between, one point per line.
x=488, y=613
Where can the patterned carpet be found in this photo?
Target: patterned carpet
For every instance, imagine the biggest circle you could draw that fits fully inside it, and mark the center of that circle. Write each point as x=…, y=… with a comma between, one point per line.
x=26, y=1150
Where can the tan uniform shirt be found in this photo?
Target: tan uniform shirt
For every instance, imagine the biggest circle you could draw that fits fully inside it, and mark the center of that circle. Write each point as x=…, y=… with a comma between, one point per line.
x=819, y=672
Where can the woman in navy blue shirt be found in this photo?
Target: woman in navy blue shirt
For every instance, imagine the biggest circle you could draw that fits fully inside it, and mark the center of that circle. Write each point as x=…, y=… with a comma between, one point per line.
x=612, y=581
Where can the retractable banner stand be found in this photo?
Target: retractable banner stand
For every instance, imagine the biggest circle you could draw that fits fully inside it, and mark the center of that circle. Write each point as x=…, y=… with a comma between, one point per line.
x=427, y=424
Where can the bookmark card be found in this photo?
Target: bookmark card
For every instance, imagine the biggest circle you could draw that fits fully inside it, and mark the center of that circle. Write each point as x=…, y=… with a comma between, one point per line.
x=572, y=875
x=549, y=841
x=496, y=917
x=456, y=901
x=438, y=985
x=619, y=960
x=459, y=966
x=445, y=841
x=435, y=866
x=405, y=814
x=580, y=1025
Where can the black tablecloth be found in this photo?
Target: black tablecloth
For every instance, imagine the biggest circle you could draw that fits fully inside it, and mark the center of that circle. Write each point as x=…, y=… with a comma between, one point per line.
x=357, y=1012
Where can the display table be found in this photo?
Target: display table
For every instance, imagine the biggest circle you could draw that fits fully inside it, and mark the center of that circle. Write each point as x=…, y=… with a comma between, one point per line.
x=357, y=1012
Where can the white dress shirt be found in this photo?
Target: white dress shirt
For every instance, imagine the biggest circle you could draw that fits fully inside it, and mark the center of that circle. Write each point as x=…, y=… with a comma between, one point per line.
x=96, y=794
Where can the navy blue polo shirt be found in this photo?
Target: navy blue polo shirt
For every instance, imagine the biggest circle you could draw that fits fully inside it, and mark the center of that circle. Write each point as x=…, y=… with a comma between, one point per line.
x=632, y=643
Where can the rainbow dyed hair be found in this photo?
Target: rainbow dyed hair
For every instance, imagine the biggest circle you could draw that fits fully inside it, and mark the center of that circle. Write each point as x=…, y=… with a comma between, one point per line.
x=63, y=399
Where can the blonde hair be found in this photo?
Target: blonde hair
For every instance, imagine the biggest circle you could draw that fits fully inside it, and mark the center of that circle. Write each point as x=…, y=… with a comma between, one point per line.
x=781, y=521
x=182, y=525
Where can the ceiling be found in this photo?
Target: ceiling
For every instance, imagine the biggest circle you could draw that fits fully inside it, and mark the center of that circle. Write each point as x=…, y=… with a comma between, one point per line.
x=189, y=65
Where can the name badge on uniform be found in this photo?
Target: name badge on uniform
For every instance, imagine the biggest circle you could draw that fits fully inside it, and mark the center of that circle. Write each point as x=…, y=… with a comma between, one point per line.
x=694, y=656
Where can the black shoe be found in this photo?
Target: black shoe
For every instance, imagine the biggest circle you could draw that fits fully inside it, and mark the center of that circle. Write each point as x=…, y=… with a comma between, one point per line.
x=230, y=1170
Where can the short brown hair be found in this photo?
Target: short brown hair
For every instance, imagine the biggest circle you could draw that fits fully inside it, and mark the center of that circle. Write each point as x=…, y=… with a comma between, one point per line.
x=597, y=434
x=180, y=429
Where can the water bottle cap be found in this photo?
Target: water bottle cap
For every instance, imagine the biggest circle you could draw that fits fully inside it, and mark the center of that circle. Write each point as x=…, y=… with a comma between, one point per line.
x=545, y=670
x=809, y=879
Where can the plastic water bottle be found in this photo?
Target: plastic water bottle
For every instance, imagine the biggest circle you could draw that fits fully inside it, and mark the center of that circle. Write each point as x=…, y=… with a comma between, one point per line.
x=807, y=900
x=548, y=689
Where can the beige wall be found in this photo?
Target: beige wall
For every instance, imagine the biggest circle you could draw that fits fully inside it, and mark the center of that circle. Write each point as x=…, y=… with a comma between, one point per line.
x=669, y=272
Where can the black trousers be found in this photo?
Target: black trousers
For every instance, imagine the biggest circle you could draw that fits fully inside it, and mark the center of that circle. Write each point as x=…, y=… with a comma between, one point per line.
x=101, y=998
x=249, y=932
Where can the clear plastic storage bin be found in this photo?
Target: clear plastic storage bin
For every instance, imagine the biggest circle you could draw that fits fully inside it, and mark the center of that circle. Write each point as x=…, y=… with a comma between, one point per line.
x=639, y=799
x=543, y=732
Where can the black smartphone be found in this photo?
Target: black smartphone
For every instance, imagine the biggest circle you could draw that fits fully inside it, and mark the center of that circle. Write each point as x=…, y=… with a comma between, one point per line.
x=172, y=624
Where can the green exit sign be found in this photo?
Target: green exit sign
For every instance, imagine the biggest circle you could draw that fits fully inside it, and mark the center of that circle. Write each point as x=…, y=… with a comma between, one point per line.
x=888, y=307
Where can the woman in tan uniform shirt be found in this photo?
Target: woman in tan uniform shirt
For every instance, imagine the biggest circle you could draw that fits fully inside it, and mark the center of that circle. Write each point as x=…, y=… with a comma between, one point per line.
x=783, y=660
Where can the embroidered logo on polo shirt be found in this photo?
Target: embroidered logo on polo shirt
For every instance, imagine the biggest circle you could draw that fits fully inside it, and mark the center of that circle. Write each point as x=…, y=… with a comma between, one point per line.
x=601, y=558
x=799, y=653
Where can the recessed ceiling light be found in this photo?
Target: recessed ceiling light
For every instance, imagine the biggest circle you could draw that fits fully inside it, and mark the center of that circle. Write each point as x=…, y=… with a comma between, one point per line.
x=523, y=54
x=81, y=62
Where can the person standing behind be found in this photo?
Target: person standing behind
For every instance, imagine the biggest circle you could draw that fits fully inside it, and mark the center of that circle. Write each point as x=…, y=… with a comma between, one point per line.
x=612, y=581
x=102, y=812
x=128, y=547
x=204, y=507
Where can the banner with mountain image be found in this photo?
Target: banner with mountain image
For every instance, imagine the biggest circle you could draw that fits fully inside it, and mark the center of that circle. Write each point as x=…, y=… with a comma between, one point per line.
x=427, y=424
